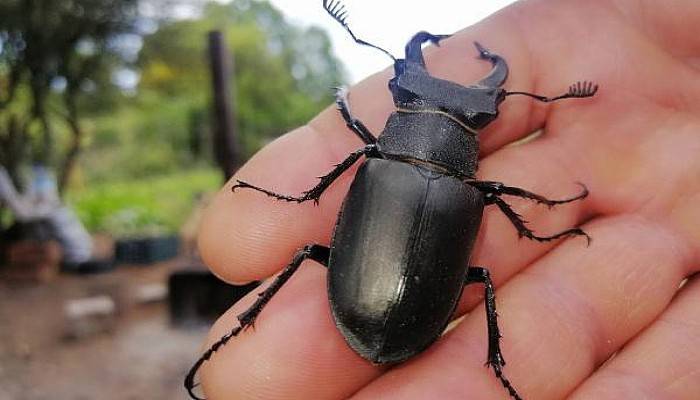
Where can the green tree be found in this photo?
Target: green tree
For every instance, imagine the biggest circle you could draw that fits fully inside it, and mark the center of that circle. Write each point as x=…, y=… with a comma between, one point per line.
x=51, y=54
x=283, y=73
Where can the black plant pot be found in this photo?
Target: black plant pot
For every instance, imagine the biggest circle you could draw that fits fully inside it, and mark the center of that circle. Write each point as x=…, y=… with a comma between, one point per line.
x=146, y=250
x=196, y=296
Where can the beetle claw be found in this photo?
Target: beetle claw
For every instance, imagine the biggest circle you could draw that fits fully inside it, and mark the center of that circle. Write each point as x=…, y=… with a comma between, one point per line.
x=483, y=51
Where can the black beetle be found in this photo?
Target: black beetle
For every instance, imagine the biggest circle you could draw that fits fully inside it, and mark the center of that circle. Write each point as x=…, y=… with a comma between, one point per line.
x=398, y=260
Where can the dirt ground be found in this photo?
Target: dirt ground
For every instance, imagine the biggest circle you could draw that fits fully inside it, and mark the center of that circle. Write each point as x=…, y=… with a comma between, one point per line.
x=137, y=355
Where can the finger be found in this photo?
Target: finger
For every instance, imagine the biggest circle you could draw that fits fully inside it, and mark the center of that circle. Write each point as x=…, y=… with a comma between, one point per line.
x=672, y=25
x=548, y=46
x=662, y=363
x=496, y=226
x=513, y=34
x=280, y=347
x=544, y=44
x=537, y=167
x=294, y=351
x=647, y=164
x=302, y=309
x=560, y=319
x=241, y=229
x=248, y=235
x=325, y=142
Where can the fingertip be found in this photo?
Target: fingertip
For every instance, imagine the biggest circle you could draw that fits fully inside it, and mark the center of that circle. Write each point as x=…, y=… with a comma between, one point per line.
x=294, y=351
x=246, y=235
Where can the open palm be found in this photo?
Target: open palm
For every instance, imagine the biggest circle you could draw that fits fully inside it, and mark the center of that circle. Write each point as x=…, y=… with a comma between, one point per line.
x=565, y=308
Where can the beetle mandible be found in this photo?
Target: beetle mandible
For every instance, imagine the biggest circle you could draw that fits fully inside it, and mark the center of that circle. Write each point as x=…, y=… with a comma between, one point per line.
x=394, y=283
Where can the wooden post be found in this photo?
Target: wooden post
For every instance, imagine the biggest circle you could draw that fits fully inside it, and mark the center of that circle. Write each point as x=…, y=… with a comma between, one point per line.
x=225, y=149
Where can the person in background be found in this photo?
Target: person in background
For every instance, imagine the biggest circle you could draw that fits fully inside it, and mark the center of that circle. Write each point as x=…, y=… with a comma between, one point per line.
x=40, y=214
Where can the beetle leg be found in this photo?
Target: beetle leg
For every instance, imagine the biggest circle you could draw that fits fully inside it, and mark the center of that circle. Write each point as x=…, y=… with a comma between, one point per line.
x=341, y=100
x=481, y=275
x=315, y=252
x=495, y=358
x=523, y=230
x=497, y=189
x=315, y=192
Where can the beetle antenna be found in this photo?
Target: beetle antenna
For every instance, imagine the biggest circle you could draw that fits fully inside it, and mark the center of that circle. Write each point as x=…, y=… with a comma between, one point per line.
x=337, y=10
x=577, y=90
x=585, y=89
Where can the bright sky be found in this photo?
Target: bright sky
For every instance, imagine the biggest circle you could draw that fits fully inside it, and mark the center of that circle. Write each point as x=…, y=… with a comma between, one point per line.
x=386, y=23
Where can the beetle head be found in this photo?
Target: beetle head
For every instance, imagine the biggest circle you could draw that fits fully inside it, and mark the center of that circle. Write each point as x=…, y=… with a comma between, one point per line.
x=414, y=88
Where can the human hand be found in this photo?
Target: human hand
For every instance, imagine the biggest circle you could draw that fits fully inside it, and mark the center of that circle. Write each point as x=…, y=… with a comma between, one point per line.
x=565, y=308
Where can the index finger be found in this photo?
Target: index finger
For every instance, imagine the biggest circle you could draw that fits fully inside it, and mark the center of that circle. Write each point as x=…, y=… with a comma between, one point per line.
x=249, y=236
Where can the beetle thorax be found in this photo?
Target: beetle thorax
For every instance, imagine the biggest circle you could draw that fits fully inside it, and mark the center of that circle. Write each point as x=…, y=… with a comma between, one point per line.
x=432, y=138
x=474, y=106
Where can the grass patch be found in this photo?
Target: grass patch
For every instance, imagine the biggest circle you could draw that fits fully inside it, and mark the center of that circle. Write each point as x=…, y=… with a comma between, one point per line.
x=143, y=207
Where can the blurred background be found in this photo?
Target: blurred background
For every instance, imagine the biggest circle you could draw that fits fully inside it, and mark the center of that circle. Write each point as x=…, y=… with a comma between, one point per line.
x=118, y=121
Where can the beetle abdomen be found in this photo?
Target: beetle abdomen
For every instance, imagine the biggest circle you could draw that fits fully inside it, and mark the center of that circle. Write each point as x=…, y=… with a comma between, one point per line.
x=395, y=277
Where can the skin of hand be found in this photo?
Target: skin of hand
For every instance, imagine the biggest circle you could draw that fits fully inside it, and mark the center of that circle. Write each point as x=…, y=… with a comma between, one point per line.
x=564, y=308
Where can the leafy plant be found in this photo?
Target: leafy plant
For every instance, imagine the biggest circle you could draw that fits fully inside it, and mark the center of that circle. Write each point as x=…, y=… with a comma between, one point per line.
x=142, y=207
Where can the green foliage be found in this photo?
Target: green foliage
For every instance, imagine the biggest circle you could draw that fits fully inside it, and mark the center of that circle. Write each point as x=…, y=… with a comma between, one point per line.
x=45, y=44
x=283, y=76
x=146, y=151
x=158, y=204
x=150, y=137
x=283, y=73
